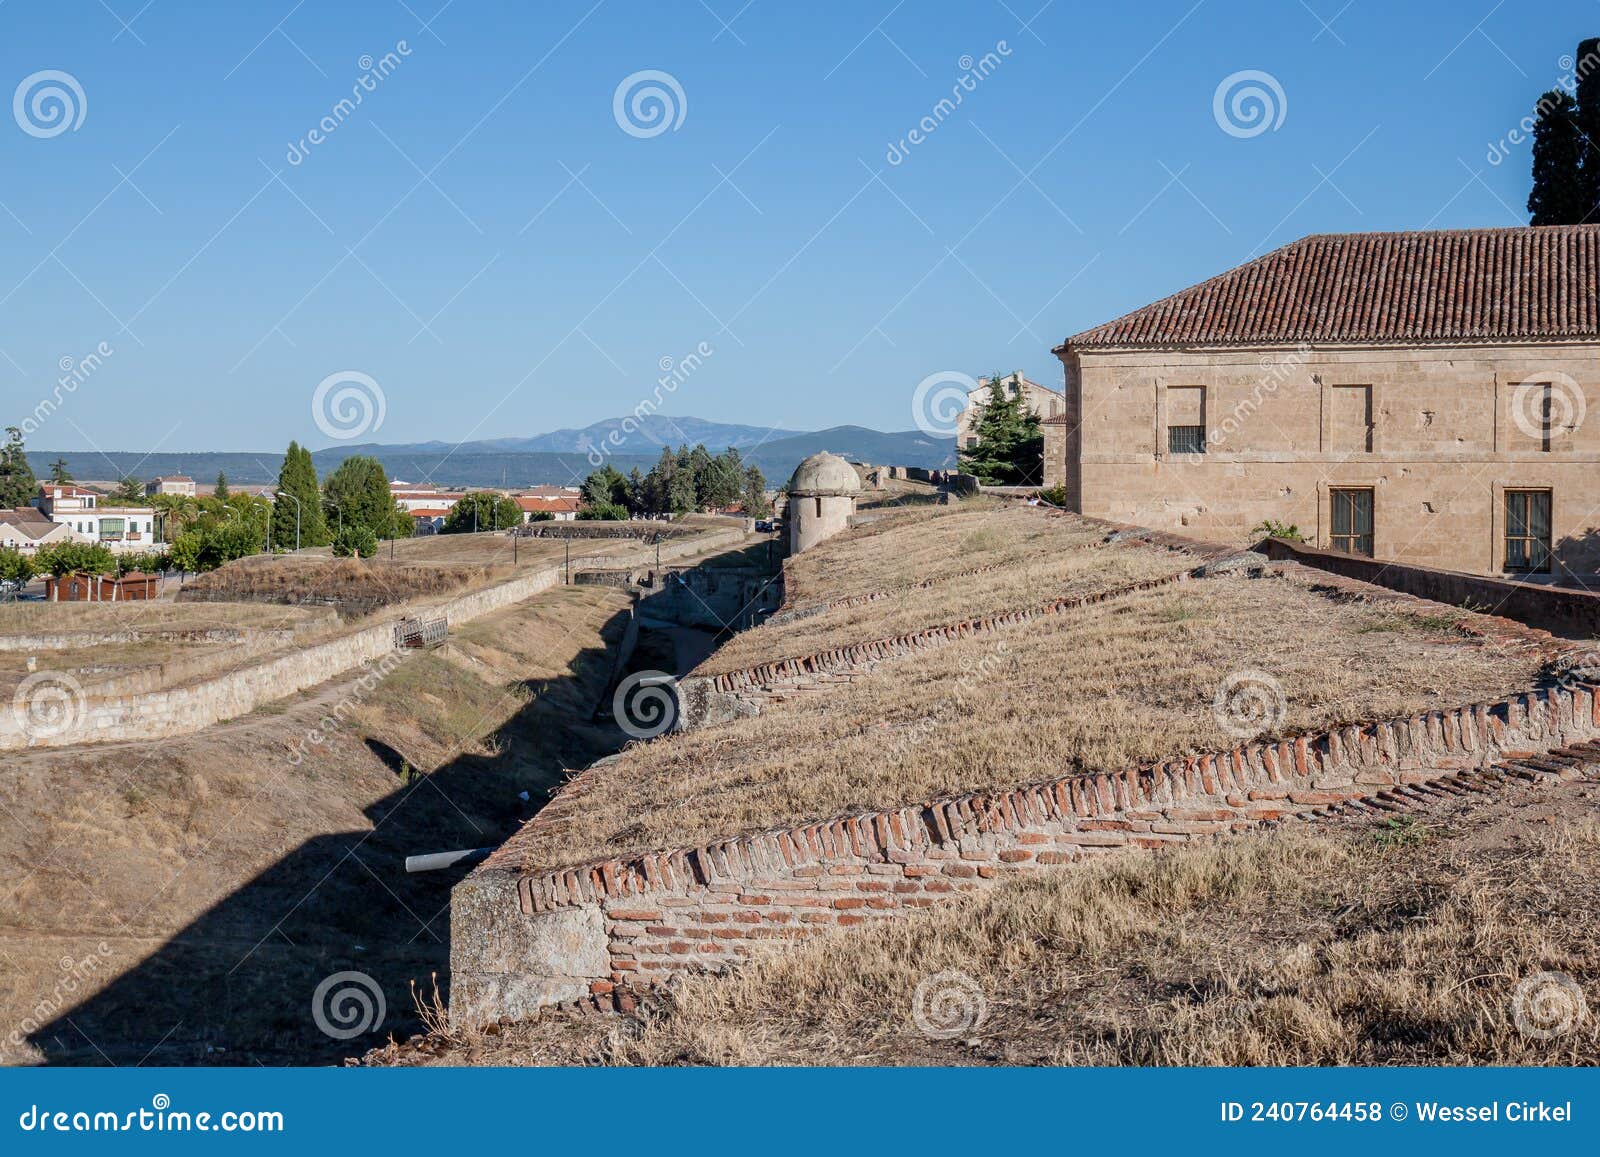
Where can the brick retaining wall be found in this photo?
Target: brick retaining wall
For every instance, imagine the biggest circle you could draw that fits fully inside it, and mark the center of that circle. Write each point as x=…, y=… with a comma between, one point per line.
x=521, y=940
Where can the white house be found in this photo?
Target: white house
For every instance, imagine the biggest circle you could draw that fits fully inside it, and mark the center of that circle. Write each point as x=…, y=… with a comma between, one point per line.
x=26, y=529
x=122, y=528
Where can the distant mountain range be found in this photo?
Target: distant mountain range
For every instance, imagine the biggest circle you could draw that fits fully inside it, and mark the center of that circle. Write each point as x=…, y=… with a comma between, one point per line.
x=559, y=457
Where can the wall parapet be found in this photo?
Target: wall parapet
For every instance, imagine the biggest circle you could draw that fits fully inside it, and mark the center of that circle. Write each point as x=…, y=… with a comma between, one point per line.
x=1558, y=609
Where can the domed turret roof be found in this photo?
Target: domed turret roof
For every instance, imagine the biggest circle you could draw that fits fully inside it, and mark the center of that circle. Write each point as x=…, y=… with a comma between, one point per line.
x=824, y=475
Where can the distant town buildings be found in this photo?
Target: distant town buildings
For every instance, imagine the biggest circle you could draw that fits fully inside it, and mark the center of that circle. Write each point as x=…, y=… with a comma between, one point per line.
x=429, y=506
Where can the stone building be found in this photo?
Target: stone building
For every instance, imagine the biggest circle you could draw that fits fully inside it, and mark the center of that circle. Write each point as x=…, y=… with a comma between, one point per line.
x=1041, y=400
x=822, y=497
x=1419, y=397
x=180, y=485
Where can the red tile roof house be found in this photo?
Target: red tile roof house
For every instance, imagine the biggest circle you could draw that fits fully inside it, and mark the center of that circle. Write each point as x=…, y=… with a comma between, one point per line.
x=1427, y=397
x=563, y=508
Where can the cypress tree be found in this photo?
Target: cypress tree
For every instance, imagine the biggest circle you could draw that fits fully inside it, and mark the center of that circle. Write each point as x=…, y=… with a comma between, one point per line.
x=297, y=481
x=1559, y=195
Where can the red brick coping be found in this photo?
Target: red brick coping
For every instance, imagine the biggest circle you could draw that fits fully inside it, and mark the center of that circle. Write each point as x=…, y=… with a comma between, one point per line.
x=1145, y=807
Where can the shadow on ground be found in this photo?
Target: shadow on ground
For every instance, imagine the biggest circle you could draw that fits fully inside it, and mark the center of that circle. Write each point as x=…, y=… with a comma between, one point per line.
x=236, y=985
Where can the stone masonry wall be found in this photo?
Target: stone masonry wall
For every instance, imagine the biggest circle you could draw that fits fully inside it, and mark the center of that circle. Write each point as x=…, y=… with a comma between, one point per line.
x=602, y=931
x=187, y=709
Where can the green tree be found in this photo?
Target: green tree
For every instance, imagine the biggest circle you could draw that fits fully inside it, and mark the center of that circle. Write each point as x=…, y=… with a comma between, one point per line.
x=15, y=567
x=1010, y=449
x=1587, y=94
x=606, y=484
x=221, y=488
x=129, y=492
x=178, y=512
x=357, y=494
x=1560, y=195
x=602, y=512
x=298, y=497
x=755, y=494
x=17, y=483
x=653, y=495
x=720, y=481
x=356, y=540
x=481, y=510
x=682, y=488
x=64, y=558
x=59, y=472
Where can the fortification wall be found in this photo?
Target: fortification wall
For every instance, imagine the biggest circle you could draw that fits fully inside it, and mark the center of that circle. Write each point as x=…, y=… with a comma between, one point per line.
x=82, y=717
x=603, y=931
x=1558, y=609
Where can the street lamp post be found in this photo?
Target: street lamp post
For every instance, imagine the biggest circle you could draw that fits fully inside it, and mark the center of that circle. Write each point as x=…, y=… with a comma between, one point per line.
x=296, y=501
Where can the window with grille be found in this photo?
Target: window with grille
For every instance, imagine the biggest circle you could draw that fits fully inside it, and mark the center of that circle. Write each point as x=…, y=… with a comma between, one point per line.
x=1351, y=520
x=1186, y=439
x=1528, y=531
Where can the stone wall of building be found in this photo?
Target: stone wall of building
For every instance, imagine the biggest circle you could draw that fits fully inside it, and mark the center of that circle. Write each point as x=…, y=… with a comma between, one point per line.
x=1438, y=435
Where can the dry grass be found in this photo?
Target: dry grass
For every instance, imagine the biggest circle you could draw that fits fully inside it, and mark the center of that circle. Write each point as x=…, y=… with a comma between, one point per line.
x=371, y=582
x=1035, y=558
x=156, y=615
x=1100, y=688
x=1281, y=949
x=913, y=544
x=493, y=550
x=229, y=871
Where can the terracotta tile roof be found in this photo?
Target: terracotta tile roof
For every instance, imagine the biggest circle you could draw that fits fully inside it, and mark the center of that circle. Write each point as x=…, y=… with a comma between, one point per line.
x=1448, y=285
x=534, y=503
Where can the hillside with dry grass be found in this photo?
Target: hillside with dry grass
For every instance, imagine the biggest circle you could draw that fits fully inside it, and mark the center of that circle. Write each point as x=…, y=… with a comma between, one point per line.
x=208, y=883
x=1464, y=935
x=1103, y=687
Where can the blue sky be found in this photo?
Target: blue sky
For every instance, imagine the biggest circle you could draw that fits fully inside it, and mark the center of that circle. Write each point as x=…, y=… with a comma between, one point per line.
x=483, y=239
